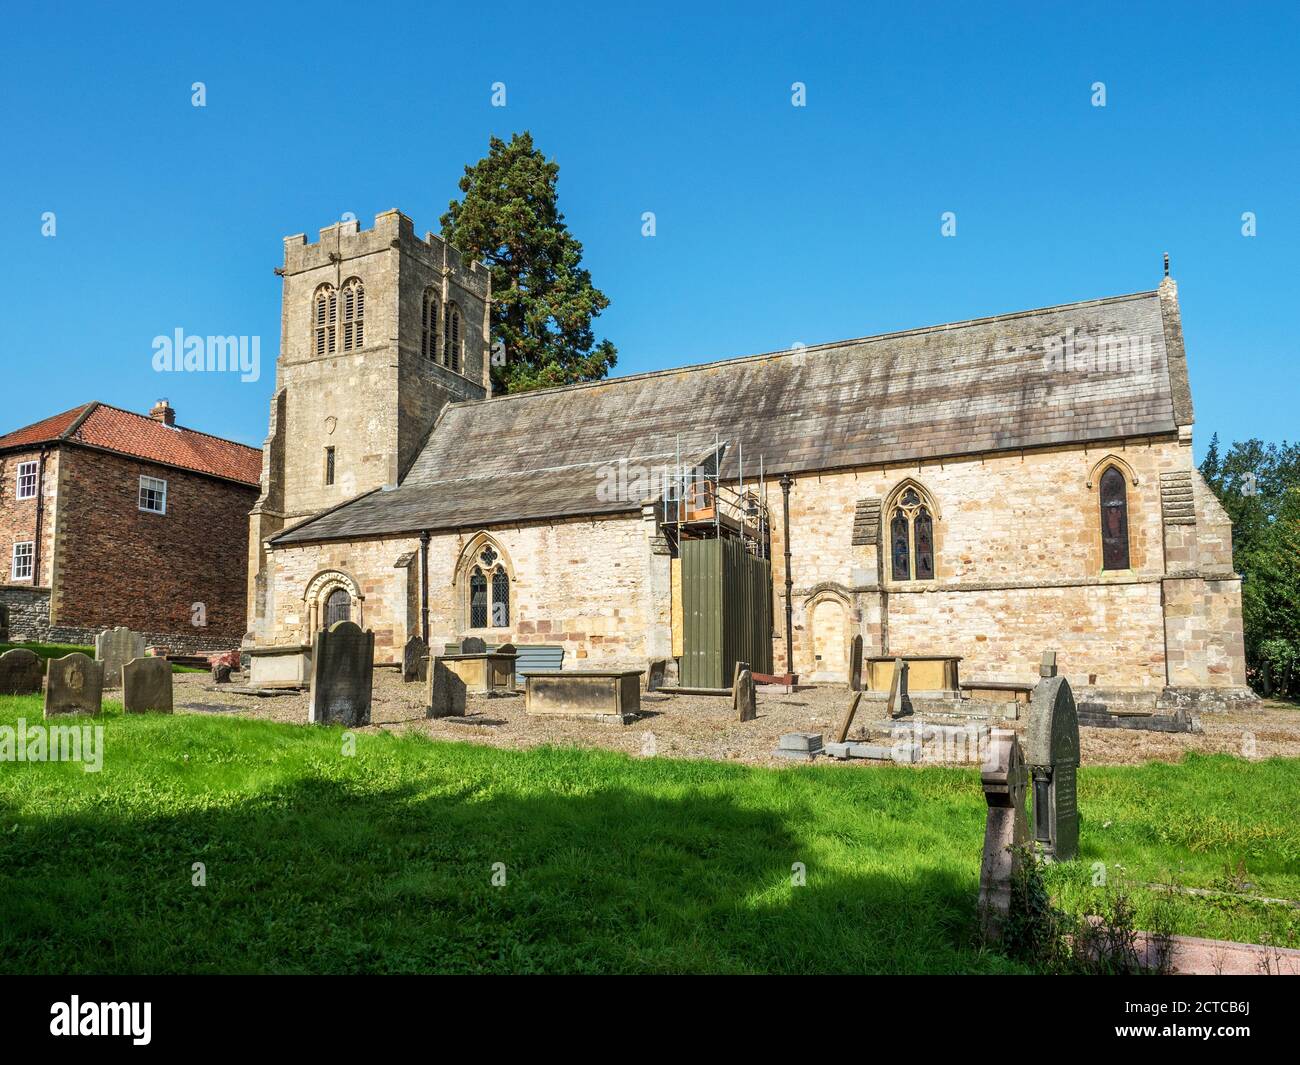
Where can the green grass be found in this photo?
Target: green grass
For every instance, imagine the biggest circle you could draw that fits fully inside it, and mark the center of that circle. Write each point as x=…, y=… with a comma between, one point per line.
x=58, y=650
x=318, y=862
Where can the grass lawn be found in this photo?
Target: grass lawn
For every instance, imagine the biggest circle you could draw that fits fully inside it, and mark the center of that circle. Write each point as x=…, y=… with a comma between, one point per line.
x=58, y=650
x=383, y=861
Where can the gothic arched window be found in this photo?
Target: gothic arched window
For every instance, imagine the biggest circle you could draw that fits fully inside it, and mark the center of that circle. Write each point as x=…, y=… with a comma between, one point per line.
x=1114, y=520
x=324, y=320
x=354, y=315
x=489, y=591
x=451, y=338
x=911, y=537
x=429, y=325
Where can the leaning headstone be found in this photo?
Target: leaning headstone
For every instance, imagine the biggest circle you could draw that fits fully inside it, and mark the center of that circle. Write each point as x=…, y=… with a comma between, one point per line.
x=1047, y=667
x=898, y=700
x=1052, y=738
x=746, y=697
x=342, y=676
x=114, y=648
x=74, y=684
x=1006, y=832
x=412, y=653
x=21, y=671
x=147, y=686
x=855, y=665
x=446, y=691
x=472, y=645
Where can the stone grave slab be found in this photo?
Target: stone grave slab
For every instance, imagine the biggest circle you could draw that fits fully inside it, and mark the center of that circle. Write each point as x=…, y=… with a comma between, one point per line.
x=74, y=684
x=147, y=686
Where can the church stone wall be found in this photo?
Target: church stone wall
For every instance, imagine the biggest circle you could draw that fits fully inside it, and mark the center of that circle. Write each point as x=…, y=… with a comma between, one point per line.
x=584, y=585
x=1018, y=570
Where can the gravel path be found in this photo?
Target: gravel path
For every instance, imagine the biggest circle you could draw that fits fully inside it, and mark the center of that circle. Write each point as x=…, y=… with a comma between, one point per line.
x=695, y=726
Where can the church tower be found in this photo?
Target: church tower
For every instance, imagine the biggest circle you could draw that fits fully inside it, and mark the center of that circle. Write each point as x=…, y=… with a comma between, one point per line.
x=379, y=330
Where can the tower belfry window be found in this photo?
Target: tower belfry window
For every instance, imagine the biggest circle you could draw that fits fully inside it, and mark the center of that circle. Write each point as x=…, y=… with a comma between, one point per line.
x=354, y=315
x=325, y=320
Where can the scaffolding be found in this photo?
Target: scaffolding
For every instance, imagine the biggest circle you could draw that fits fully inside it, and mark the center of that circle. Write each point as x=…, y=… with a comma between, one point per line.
x=697, y=503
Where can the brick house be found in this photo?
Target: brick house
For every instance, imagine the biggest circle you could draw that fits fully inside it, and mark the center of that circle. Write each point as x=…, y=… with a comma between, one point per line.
x=108, y=517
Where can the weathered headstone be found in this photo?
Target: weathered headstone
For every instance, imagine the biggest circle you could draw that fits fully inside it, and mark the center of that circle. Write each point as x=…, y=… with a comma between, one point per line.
x=1047, y=667
x=746, y=696
x=472, y=645
x=1006, y=832
x=1052, y=739
x=656, y=674
x=446, y=691
x=147, y=686
x=342, y=675
x=21, y=671
x=415, y=650
x=736, y=700
x=221, y=673
x=855, y=665
x=842, y=733
x=74, y=684
x=114, y=648
x=897, y=690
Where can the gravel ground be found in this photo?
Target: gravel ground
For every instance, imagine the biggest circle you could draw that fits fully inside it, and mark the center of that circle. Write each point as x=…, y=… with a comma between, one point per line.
x=693, y=726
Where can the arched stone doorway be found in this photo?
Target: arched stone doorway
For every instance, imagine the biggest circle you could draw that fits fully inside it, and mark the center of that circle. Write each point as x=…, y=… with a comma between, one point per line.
x=331, y=596
x=828, y=630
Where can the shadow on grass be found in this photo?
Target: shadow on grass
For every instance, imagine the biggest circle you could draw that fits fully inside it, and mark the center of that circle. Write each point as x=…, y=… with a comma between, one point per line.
x=322, y=876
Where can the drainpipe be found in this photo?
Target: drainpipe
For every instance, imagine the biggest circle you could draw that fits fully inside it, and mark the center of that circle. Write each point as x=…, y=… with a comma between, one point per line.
x=424, y=586
x=40, y=515
x=786, y=482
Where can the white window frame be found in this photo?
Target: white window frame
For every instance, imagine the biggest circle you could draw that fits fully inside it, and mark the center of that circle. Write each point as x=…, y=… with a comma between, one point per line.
x=29, y=555
x=152, y=486
x=27, y=472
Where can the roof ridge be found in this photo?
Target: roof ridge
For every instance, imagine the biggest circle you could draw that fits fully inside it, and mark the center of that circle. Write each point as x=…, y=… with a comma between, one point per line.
x=184, y=428
x=829, y=345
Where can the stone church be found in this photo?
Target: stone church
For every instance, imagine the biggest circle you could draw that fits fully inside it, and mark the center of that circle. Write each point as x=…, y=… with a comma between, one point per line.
x=985, y=489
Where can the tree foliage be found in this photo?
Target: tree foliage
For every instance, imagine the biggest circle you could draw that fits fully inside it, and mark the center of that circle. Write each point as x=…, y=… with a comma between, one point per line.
x=543, y=301
x=1259, y=486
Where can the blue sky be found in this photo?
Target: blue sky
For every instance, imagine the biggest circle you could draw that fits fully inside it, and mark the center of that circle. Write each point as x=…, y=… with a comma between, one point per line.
x=775, y=224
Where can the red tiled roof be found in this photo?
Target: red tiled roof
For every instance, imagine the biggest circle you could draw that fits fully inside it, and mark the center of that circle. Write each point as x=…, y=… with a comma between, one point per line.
x=140, y=436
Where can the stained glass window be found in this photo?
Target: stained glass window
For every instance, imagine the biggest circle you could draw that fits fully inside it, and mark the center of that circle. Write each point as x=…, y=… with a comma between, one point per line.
x=478, y=605
x=1114, y=520
x=923, y=527
x=900, y=549
x=911, y=538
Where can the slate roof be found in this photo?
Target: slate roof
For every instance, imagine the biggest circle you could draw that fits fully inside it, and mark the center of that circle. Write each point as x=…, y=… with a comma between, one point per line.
x=98, y=425
x=977, y=386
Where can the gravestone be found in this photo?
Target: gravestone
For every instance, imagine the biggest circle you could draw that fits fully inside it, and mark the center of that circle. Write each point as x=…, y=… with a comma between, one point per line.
x=656, y=674
x=74, y=684
x=21, y=671
x=746, y=696
x=1052, y=741
x=342, y=675
x=1006, y=832
x=412, y=654
x=472, y=645
x=221, y=673
x=898, y=700
x=446, y=691
x=1047, y=667
x=855, y=665
x=147, y=686
x=114, y=648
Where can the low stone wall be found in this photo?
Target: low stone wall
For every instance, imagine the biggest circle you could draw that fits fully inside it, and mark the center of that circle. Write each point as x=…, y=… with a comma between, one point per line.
x=28, y=610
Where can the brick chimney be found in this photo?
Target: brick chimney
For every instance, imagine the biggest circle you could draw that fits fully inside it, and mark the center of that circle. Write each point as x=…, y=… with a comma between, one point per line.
x=162, y=412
